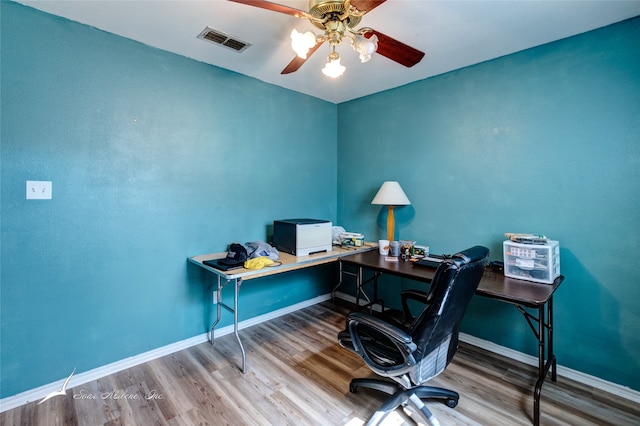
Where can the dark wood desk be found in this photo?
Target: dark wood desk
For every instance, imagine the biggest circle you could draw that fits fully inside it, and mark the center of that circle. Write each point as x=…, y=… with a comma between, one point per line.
x=493, y=285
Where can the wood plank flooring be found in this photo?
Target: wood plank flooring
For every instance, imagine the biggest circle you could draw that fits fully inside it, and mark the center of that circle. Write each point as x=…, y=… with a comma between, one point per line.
x=297, y=374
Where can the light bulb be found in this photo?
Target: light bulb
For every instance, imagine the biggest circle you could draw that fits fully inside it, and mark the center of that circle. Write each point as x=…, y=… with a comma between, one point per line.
x=301, y=43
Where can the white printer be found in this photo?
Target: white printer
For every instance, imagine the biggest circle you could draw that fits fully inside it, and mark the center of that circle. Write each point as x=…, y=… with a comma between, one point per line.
x=302, y=237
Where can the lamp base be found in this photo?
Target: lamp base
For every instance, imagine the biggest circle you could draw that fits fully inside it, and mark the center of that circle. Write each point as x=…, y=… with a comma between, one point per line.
x=391, y=224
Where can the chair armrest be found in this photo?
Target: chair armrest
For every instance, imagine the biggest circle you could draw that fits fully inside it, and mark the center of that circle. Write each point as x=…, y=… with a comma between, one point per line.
x=417, y=295
x=381, y=326
x=403, y=343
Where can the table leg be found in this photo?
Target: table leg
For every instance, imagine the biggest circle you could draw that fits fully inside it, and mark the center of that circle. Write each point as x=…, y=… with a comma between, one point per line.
x=217, y=298
x=359, y=290
x=237, y=282
x=550, y=352
x=550, y=364
x=376, y=275
x=360, y=283
x=333, y=291
x=342, y=273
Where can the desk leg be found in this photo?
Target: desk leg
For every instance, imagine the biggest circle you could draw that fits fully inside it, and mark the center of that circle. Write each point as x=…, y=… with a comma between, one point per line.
x=544, y=367
x=218, y=298
x=342, y=273
x=551, y=353
x=360, y=282
x=236, y=289
x=333, y=291
x=237, y=284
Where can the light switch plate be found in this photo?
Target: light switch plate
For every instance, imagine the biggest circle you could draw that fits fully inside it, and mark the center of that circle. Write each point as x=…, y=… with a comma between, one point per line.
x=39, y=190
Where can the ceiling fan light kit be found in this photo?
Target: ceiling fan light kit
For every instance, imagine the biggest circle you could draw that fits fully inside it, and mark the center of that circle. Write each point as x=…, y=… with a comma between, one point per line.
x=337, y=18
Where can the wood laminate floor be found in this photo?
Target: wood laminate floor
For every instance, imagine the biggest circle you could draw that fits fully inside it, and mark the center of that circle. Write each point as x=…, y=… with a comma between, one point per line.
x=297, y=374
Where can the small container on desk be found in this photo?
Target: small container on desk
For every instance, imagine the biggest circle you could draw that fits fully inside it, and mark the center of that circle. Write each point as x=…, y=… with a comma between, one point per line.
x=394, y=248
x=352, y=239
x=532, y=262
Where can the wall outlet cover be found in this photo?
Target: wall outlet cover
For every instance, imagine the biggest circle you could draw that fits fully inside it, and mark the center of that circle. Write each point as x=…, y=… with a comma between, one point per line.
x=38, y=190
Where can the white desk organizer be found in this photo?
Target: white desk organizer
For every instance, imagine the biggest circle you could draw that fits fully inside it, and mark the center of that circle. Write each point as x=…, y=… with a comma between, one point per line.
x=532, y=262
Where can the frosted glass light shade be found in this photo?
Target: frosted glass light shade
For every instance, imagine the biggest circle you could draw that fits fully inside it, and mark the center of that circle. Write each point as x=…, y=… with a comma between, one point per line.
x=365, y=46
x=333, y=68
x=301, y=43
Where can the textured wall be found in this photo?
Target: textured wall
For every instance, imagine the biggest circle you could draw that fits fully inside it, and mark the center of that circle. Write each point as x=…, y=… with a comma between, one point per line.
x=153, y=158
x=547, y=141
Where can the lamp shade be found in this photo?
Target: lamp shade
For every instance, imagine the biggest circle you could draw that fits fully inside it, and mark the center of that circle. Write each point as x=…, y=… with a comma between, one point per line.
x=391, y=194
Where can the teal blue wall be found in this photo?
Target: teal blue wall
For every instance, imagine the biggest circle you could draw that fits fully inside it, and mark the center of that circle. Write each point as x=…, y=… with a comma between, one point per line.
x=153, y=158
x=547, y=141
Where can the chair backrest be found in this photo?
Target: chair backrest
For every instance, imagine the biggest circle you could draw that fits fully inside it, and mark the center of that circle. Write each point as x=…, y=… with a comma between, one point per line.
x=435, y=330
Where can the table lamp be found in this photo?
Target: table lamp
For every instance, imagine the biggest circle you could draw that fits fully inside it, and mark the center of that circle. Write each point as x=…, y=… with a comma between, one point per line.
x=391, y=194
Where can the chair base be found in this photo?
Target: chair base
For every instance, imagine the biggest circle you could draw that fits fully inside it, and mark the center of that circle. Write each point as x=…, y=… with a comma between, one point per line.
x=401, y=397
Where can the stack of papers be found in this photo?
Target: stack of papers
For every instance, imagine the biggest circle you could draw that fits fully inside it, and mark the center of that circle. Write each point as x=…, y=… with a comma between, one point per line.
x=526, y=238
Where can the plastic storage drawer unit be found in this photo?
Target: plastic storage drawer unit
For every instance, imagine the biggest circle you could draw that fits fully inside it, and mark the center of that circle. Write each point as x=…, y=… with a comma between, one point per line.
x=533, y=262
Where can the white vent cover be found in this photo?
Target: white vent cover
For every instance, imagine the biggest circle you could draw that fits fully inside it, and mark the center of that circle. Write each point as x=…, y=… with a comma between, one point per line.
x=222, y=39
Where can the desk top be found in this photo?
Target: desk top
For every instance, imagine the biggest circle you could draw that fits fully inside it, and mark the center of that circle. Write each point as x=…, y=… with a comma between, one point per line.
x=289, y=262
x=493, y=284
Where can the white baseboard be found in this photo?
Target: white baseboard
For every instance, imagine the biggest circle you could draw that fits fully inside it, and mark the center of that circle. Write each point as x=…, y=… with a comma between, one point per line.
x=586, y=379
x=22, y=398
x=81, y=378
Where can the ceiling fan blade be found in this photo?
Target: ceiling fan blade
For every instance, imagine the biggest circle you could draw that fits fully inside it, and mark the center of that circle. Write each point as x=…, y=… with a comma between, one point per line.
x=396, y=50
x=275, y=7
x=366, y=5
x=297, y=62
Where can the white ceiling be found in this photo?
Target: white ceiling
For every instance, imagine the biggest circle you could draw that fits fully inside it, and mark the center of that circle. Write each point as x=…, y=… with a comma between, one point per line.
x=453, y=34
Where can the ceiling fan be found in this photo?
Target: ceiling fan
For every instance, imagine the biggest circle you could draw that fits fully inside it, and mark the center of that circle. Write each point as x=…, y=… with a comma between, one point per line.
x=337, y=18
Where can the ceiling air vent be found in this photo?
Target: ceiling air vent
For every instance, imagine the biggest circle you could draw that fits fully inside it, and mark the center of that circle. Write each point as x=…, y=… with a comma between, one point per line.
x=222, y=39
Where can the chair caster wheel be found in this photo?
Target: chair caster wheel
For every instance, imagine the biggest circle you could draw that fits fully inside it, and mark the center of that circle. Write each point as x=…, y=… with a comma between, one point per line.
x=353, y=388
x=451, y=403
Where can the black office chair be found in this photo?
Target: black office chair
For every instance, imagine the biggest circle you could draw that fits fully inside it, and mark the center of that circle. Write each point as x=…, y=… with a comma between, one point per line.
x=411, y=356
